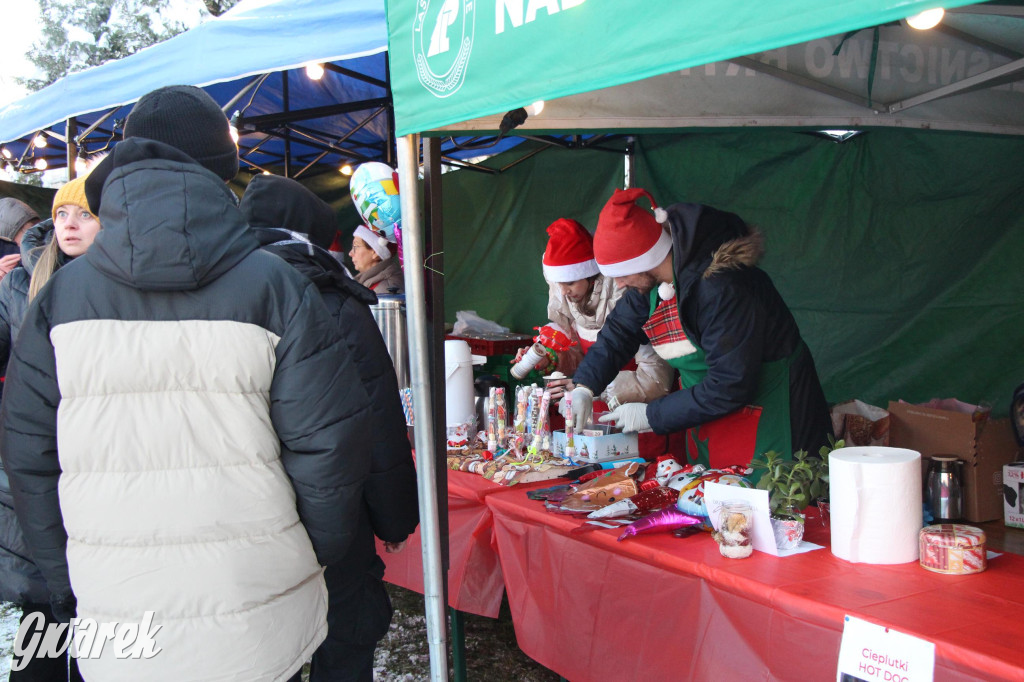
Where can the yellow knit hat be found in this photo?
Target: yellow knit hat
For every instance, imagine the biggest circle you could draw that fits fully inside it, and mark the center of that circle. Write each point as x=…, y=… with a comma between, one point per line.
x=72, y=193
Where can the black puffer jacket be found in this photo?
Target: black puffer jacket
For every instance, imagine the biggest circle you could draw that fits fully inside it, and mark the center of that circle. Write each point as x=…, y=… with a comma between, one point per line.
x=730, y=309
x=282, y=214
x=210, y=424
x=20, y=579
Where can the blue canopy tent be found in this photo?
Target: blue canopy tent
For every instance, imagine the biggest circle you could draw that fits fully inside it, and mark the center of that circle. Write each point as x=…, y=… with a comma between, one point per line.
x=252, y=61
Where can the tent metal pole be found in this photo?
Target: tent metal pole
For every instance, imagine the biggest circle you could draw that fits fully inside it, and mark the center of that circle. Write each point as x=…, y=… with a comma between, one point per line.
x=71, y=147
x=419, y=361
x=255, y=81
x=287, y=142
x=629, y=171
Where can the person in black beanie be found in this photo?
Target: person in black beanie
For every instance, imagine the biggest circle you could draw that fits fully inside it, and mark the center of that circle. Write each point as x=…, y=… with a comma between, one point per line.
x=188, y=119
x=292, y=222
x=213, y=422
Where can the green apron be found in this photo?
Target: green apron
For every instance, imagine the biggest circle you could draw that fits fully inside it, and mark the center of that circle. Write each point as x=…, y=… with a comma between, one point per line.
x=748, y=431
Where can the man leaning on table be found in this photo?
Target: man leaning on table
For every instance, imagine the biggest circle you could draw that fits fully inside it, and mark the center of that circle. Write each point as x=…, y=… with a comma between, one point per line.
x=693, y=291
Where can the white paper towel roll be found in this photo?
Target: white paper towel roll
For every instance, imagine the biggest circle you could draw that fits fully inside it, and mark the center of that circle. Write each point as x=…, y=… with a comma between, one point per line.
x=875, y=504
x=458, y=383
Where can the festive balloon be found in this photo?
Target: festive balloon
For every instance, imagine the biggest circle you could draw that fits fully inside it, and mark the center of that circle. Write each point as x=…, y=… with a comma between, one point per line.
x=374, y=189
x=691, y=495
x=662, y=520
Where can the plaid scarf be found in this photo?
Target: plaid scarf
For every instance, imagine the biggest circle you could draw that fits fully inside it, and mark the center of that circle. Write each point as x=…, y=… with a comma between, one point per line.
x=666, y=331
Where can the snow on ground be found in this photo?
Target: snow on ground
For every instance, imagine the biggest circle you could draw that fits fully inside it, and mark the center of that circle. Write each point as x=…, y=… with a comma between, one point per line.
x=9, y=617
x=402, y=656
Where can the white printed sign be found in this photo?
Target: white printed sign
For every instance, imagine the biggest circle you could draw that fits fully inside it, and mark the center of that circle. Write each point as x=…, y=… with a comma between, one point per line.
x=873, y=653
x=763, y=539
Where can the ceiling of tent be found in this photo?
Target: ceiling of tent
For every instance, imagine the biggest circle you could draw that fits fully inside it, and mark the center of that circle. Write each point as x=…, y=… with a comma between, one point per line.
x=252, y=62
x=714, y=63
x=966, y=74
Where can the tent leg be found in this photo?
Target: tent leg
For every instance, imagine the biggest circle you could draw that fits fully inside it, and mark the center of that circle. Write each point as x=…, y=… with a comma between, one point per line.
x=630, y=169
x=426, y=477
x=458, y=645
x=72, y=147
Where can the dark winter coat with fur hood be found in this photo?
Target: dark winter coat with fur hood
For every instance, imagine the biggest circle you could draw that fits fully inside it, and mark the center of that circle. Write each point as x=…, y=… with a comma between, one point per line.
x=729, y=308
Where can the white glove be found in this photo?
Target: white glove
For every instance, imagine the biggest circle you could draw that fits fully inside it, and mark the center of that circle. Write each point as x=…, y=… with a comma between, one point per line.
x=582, y=407
x=630, y=417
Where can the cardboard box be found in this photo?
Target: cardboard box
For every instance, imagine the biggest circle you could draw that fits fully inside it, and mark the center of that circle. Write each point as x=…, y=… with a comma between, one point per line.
x=1013, y=494
x=985, y=447
x=592, y=449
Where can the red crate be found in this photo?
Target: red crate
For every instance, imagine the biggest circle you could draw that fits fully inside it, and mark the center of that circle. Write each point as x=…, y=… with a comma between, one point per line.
x=494, y=344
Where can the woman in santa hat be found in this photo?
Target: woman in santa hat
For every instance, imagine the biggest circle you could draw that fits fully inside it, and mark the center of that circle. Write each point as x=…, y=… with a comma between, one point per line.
x=579, y=301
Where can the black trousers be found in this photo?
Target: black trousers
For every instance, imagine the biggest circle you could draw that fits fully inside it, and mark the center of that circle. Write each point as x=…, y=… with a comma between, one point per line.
x=358, y=615
x=61, y=669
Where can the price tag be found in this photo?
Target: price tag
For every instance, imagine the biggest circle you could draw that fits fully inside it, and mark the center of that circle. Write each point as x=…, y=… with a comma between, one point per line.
x=873, y=653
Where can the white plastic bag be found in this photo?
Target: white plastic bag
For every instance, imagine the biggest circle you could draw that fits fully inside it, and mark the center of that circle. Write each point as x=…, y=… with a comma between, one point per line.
x=467, y=321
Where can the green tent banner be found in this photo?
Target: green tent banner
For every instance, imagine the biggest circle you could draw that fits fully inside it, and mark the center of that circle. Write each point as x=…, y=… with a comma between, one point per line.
x=454, y=60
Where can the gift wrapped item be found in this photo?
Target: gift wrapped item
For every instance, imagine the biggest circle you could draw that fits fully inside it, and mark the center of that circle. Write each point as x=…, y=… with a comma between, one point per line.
x=599, y=492
x=858, y=423
x=643, y=502
x=953, y=548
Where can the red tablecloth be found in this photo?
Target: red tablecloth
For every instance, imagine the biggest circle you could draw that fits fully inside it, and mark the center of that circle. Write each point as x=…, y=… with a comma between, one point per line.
x=475, y=584
x=659, y=607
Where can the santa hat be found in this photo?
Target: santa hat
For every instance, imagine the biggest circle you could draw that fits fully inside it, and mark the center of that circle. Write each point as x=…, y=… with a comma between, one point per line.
x=629, y=240
x=569, y=255
x=375, y=240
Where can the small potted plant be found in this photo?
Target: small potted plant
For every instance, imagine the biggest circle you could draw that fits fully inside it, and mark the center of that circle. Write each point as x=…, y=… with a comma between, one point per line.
x=792, y=485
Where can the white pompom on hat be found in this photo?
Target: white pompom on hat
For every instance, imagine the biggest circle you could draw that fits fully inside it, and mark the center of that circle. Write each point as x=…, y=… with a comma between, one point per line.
x=629, y=240
x=375, y=240
x=569, y=255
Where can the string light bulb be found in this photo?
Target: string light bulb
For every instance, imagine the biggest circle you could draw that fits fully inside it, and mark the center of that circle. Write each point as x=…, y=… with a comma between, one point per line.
x=537, y=107
x=40, y=164
x=929, y=18
x=7, y=153
x=233, y=131
x=39, y=140
x=81, y=166
x=346, y=169
x=315, y=71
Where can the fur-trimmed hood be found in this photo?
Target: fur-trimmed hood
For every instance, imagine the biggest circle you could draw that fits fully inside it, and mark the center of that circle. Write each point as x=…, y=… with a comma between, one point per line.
x=706, y=241
x=746, y=250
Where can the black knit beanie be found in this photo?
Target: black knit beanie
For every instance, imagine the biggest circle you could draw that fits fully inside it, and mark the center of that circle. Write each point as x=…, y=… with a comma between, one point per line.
x=188, y=119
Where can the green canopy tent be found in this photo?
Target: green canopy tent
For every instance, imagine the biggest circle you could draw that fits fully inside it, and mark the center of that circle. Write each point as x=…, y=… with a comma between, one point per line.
x=898, y=250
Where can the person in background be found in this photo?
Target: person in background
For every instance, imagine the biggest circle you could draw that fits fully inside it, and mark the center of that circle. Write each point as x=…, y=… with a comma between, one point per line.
x=695, y=292
x=296, y=225
x=375, y=259
x=211, y=421
x=15, y=217
x=46, y=247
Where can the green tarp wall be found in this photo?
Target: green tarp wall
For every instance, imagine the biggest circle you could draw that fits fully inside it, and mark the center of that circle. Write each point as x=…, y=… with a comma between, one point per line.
x=900, y=253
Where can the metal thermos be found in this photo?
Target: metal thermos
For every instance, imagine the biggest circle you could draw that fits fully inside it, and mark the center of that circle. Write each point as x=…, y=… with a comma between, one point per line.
x=389, y=312
x=944, y=489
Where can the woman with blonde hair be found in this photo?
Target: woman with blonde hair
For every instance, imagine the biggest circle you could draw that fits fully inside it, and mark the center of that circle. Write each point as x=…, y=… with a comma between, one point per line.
x=45, y=248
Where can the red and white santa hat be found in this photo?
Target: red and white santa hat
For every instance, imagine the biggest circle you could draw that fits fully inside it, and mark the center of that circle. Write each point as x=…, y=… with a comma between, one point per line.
x=375, y=240
x=629, y=240
x=569, y=255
